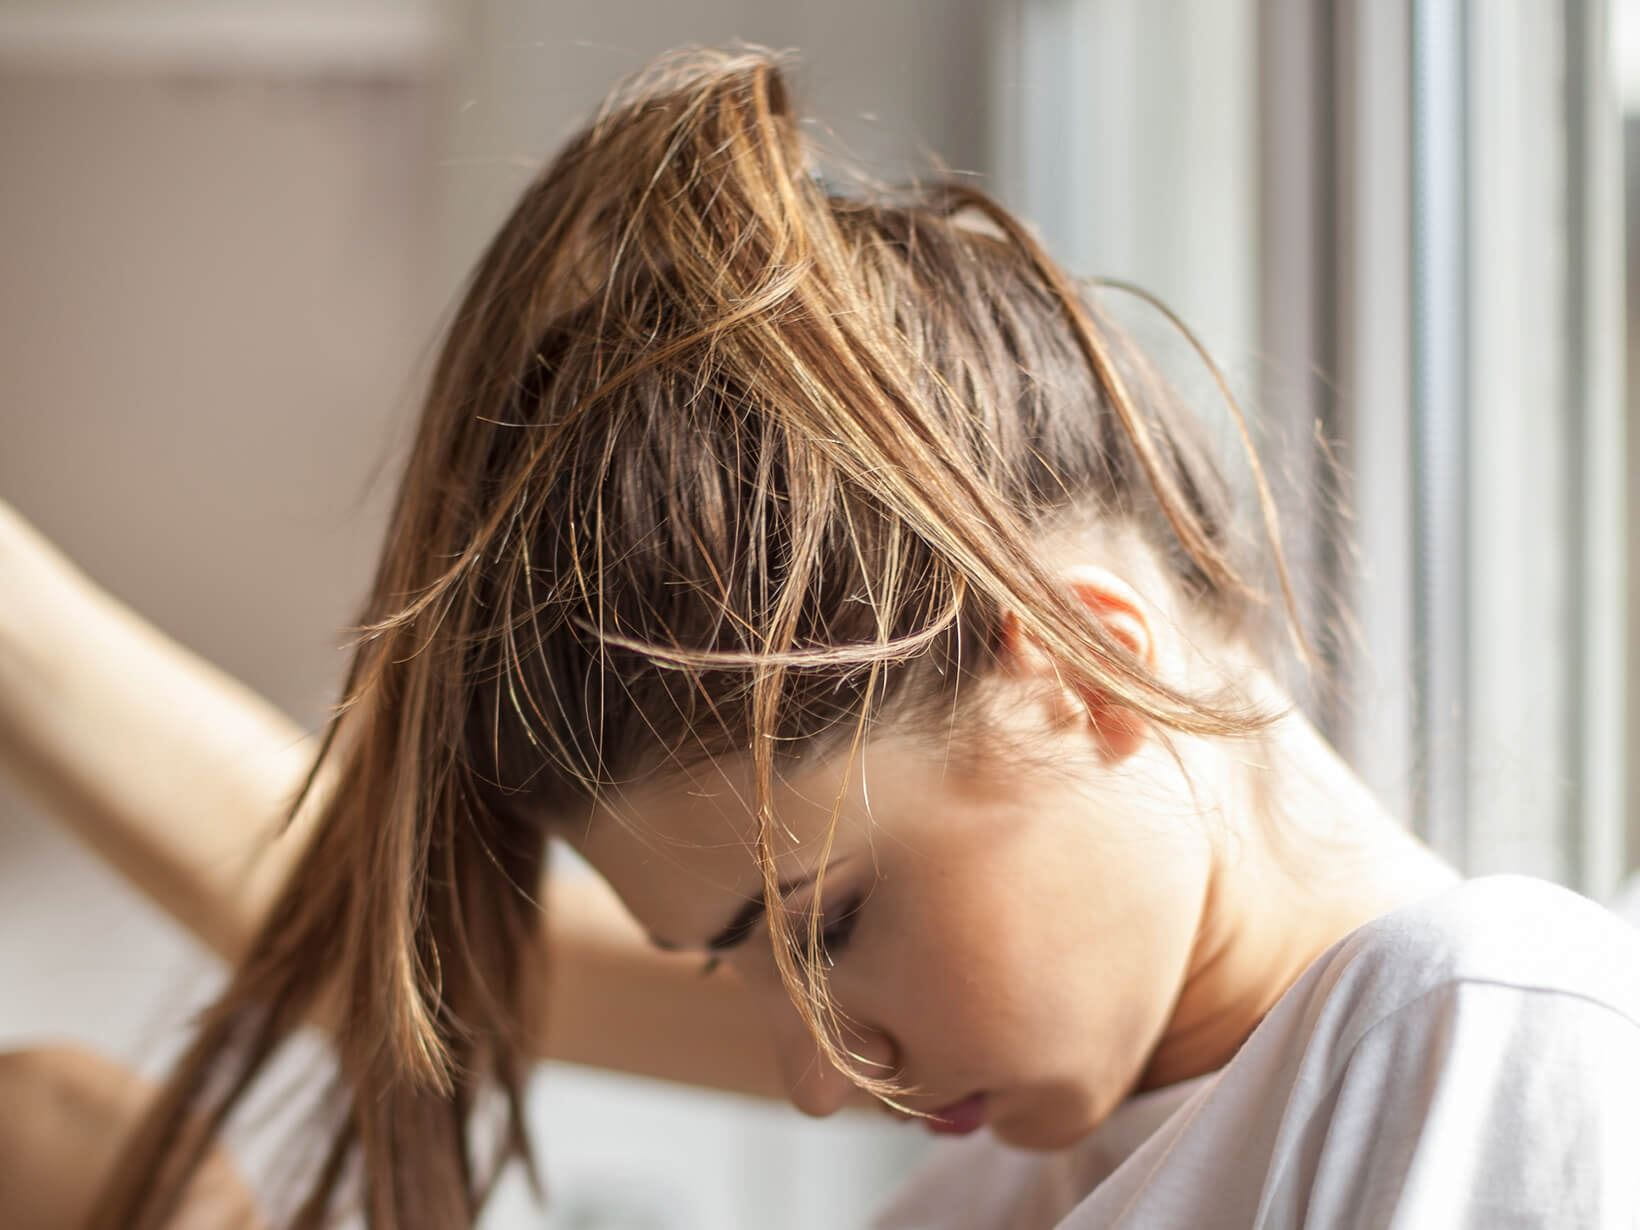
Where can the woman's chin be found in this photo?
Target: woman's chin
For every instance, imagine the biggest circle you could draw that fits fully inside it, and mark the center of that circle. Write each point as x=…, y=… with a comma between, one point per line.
x=1043, y=1132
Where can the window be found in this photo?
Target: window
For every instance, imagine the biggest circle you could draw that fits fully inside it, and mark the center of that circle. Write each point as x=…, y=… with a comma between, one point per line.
x=1397, y=223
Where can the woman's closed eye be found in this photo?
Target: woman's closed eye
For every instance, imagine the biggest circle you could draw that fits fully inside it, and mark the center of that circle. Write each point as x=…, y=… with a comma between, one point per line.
x=836, y=929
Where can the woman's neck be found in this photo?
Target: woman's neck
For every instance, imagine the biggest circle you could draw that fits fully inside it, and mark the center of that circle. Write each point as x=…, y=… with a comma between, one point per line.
x=1307, y=856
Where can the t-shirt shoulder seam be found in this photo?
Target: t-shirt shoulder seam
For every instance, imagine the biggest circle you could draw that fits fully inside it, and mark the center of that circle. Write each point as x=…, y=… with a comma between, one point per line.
x=1342, y=1065
x=1458, y=980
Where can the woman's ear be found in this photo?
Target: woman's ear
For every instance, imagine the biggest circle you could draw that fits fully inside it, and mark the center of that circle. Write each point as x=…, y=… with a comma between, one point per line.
x=1126, y=619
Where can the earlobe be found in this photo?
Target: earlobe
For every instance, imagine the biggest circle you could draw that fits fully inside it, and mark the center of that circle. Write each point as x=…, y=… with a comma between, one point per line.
x=1121, y=731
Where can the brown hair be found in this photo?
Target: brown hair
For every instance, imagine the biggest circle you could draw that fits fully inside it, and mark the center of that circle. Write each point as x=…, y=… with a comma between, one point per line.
x=715, y=458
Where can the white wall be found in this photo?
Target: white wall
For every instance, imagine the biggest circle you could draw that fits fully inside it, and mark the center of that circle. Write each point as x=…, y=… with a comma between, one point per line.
x=892, y=79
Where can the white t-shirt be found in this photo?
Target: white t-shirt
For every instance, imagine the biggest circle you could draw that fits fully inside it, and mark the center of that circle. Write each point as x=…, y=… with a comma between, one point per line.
x=1468, y=1061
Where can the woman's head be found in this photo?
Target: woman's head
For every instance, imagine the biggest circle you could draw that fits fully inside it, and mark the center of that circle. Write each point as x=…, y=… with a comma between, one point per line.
x=1005, y=944
x=774, y=463
x=725, y=474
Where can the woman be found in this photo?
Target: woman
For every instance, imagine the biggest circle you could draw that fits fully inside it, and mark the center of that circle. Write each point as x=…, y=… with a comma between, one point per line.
x=828, y=569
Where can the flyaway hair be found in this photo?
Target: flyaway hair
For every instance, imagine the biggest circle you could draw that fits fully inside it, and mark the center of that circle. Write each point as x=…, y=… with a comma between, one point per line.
x=717, y=459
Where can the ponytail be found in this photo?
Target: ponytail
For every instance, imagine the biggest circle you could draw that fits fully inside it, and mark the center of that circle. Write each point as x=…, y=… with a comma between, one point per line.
x=709, y=452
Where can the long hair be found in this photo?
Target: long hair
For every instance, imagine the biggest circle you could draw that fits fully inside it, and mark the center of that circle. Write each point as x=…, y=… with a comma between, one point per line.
x=718, y=457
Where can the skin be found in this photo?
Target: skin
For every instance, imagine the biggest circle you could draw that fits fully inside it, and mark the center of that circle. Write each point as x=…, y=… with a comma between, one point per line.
x=65, y=1112
x=1051, y=941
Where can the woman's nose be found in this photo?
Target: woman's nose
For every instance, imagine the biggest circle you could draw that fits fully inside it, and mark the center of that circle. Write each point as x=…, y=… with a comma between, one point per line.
x=813, y=1084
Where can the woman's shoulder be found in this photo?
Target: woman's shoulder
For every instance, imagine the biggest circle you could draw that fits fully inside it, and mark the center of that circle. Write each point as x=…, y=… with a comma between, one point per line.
x=1478, y=1025
x=1469, y=1059
x=1510, y=932
x=1475, y=1062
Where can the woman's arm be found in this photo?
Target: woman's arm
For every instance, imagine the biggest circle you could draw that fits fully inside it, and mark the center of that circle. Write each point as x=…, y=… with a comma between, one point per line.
x=179, y=775
x=170, y=770
x=618, y=1002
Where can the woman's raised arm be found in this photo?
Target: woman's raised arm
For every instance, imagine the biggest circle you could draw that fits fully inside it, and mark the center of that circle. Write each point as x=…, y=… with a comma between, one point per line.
x=172, y=771
x=179, y=776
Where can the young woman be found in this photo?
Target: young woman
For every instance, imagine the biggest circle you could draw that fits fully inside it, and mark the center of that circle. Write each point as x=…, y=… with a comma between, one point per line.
x=824, y=565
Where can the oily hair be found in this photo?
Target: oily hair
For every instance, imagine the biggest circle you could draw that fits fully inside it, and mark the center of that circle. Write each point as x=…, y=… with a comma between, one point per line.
x=719, y=456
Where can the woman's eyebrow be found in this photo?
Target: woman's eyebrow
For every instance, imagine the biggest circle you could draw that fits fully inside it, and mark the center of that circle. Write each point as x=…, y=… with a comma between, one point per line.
x=745, y=919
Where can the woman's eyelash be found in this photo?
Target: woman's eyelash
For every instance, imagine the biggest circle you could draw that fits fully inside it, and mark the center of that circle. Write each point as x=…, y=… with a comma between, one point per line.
x=836, y=932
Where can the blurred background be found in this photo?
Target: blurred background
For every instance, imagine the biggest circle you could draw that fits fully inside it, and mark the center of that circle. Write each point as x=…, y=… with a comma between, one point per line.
x=231, y=232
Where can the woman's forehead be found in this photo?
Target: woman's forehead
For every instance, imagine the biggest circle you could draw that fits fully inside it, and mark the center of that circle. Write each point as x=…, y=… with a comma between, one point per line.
x=676, y=850
x=712, y=805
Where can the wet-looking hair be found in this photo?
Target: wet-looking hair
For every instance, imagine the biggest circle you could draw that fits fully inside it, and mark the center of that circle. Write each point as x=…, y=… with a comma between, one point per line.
x=719, y=458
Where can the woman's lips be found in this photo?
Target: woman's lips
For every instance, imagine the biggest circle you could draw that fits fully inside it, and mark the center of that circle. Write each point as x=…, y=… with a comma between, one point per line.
x=959, y=1118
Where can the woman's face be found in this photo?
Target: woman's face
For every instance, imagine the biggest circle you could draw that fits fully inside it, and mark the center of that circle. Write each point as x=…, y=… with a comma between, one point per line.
x=1009, y=946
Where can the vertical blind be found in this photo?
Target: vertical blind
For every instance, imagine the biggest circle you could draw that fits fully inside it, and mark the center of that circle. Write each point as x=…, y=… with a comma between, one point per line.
x=1398, y=220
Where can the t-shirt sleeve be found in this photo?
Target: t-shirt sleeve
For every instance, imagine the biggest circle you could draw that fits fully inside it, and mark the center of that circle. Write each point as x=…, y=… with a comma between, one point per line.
x=1478, y=1105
